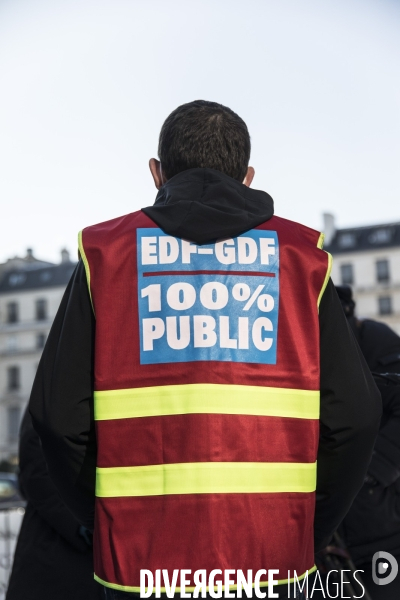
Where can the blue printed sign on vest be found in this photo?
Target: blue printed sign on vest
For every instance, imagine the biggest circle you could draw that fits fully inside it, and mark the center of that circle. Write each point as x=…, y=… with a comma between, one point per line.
x=214, y=302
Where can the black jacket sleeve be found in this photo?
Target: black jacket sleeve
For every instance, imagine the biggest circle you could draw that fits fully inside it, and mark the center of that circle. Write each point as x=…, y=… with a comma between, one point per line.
x=61, y=402
x=385, y=464
x=351, y=409
x=39, y=490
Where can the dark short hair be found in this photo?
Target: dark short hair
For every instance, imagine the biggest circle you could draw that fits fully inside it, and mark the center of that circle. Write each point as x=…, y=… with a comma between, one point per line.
x=204, y=134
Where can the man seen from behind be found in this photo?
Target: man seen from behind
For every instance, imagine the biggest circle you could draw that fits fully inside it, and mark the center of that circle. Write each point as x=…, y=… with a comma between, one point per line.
x=201, y=401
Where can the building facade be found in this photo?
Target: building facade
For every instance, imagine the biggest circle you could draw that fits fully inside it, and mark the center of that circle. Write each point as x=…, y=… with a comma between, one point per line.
x=368, y=259
x=30, y=294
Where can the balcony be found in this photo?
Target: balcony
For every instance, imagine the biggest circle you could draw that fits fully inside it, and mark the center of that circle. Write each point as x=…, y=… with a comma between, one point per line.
x=33, y=325
x=376, y=288
x=19, y=352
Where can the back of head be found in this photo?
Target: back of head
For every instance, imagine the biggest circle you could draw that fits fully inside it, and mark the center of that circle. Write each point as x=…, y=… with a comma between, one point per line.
x=346, y=298
x=204, y=134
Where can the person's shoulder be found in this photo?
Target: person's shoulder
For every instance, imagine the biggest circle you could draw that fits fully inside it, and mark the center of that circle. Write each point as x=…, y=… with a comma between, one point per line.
x=377, y=341
x=115, y=229
x=117, y=222
x=299, y=230
x=377, y=327
x=110, y=233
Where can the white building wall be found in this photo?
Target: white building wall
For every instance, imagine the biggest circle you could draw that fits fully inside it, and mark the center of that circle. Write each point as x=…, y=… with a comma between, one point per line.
x=18, y=347
x=366, y=288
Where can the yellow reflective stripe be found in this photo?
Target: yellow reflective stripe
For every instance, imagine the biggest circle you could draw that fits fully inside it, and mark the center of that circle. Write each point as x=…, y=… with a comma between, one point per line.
x=133, y=588
x=320, y=244
x=328, y=274
x=205, y=478
x=86, y=264
x=206, y=398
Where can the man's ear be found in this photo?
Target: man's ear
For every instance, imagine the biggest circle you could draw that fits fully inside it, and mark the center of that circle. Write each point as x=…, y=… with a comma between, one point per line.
x=156, y=171
x=249, y=176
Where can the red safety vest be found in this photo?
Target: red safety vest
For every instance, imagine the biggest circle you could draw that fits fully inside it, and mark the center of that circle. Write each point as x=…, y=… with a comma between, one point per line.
x=207, y=373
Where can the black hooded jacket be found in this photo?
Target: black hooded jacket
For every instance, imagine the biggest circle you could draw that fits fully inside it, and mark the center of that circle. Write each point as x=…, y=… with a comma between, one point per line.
x=202, y=205
x=53, y=559
x=373, y=522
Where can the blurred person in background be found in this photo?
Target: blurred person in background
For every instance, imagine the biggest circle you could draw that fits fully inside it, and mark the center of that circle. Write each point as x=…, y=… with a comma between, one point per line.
x=373, y=522
x=54, y=554
x=378, y=342
x=157, y=414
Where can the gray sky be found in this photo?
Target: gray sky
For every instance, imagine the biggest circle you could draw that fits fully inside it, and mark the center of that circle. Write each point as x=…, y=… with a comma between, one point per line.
x=86, y=85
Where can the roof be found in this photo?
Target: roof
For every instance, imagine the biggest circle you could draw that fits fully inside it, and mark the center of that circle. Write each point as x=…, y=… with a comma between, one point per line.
x=26, y=263
x=358, y=239
x=20, y=280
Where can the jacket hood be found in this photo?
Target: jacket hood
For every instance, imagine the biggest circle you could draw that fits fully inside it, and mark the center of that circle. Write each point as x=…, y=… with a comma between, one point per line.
x=203, y=205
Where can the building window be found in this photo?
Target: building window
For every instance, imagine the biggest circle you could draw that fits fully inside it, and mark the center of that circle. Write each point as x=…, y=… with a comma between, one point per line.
x=14, y=418
x=40, y=341
x=385, y=305
x=347, y=274
x=381, y=236
x=12, y=312
x=16, y=279
x=11, y=343
x=13, y=378
x=382, y=271
x=45, y=276
x=41, y=309
x=347, y=240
